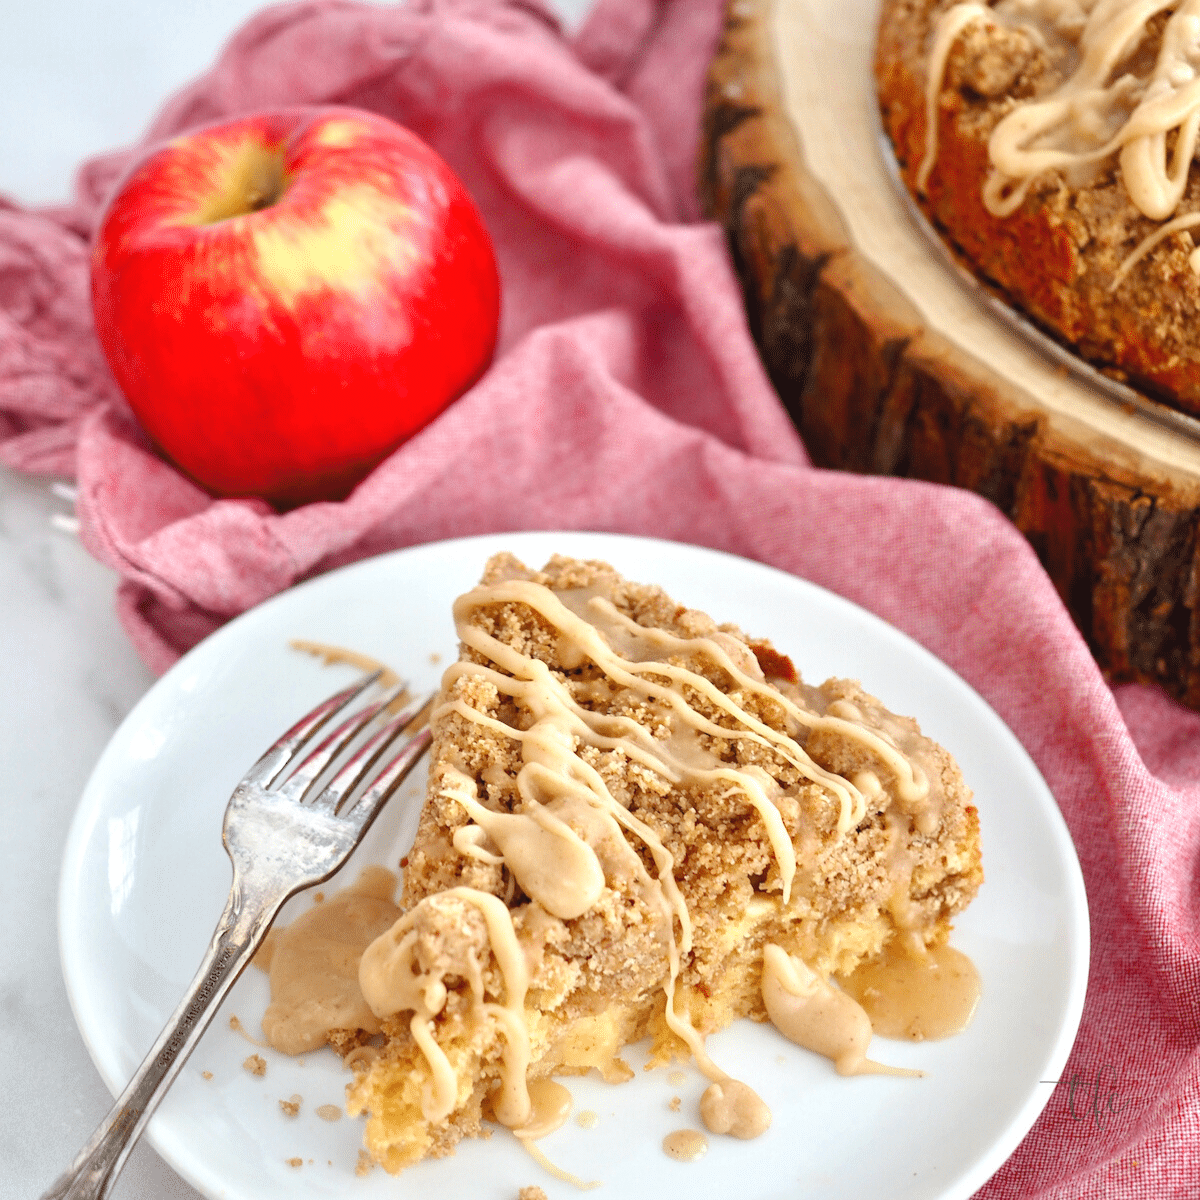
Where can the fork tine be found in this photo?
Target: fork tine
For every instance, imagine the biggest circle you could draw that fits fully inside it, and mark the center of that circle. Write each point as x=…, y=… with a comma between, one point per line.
x=363, y=810
x=301, y=780
x=390, y=778
x=284, y=750
x=355, y=771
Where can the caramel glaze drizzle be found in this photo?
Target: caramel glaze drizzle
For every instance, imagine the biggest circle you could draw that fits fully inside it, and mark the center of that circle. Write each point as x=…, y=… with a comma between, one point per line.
x=558, y=868
x=1096, y=112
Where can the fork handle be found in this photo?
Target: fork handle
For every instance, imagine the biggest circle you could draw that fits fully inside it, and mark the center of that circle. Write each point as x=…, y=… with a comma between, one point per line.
x=240, y=932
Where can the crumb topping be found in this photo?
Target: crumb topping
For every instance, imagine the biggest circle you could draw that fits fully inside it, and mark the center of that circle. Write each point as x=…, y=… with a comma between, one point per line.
x=1051, y=142
x=653, y=745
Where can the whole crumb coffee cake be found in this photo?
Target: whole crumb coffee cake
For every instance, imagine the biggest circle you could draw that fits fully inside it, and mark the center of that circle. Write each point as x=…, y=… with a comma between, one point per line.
x=1051, y=143
x=640, y=823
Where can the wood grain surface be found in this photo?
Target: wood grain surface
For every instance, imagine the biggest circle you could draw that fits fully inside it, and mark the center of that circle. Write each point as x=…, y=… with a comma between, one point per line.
x=890, y=364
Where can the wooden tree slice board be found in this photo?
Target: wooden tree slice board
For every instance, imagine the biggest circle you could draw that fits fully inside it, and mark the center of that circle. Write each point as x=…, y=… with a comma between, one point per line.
x=889, y=363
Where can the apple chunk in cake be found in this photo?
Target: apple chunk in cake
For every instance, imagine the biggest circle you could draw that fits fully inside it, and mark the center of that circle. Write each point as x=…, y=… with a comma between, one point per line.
x=640, y=823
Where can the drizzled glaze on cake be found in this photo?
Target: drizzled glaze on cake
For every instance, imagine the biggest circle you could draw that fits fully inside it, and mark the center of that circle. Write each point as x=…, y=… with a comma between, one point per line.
x=558, y=868
x=574, y=708
x=1099, y=109
x=1077, y=256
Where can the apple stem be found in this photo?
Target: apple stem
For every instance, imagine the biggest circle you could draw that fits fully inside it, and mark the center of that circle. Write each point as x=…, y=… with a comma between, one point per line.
x=264, y=186
x=254, y=180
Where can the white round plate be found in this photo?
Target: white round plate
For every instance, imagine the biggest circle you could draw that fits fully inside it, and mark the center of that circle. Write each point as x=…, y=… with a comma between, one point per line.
x=145, y=878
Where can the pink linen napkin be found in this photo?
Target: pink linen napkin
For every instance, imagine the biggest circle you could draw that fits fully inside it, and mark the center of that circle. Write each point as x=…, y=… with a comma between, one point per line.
x=627, y=395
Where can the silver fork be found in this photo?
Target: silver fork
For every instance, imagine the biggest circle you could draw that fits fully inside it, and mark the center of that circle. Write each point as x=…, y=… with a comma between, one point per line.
x=279, y=841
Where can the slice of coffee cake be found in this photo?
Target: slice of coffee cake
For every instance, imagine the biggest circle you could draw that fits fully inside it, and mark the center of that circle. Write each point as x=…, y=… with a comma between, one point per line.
x=639, y=823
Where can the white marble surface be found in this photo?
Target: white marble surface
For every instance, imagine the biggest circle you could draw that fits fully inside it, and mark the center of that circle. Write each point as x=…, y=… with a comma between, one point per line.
x=67, y=677
x=76, y=77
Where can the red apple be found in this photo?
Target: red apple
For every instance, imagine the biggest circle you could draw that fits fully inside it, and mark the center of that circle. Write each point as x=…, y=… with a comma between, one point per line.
x=286, y=298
